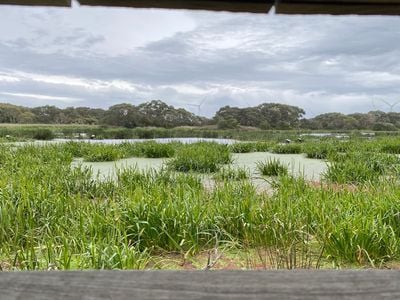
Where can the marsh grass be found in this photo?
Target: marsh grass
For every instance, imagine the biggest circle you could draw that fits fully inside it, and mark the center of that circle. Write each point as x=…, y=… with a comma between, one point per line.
x=201, y=157
x=232, y=174
x=150, y=149
x=101, y=152
x=242, y=147
x=287, y=148
x=272, y=167
x=360, y=167
x=318, y=150
x=54, y=216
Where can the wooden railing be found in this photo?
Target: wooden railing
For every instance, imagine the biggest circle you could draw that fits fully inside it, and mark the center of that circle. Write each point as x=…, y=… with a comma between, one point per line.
x=365, y=284
x=374, y=7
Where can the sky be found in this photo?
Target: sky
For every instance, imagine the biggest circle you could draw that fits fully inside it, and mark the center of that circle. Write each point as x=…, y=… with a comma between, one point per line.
x=198, y=60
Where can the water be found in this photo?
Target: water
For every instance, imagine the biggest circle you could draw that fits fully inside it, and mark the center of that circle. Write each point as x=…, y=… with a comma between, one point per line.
x=298, y=165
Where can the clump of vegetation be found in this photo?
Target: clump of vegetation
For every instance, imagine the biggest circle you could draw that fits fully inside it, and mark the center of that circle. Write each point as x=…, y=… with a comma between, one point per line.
x=287, y=148
x=201, y=157
x=272, y=167
x=100, y=152
x=232, y=174
x=77, y=149
x=149, y=149
x=391, y=147
x=360, y=167
x=263, y=146
x=158, y=150
x=317, y=150
x=242, y=147
x=43, y=134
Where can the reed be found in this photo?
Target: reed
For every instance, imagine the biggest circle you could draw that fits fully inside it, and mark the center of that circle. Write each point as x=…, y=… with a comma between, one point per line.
x=54, y=216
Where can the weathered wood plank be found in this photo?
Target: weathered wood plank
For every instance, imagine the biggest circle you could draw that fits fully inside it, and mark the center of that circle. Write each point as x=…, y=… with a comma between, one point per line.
x=255, y=6
x=370, y=284
x=338, y=7
x=64, y=3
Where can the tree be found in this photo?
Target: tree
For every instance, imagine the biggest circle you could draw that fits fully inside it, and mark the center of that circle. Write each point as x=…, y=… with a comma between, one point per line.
x=276, y=115
x=227, y=123
x=124, y=114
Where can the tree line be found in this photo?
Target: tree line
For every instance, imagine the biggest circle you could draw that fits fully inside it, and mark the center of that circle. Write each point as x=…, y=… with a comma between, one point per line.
x=156, y=113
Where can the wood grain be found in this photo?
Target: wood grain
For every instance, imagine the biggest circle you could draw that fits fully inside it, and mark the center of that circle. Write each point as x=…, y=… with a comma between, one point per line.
x=369, y=284
x=64, y=3
x=254, y=6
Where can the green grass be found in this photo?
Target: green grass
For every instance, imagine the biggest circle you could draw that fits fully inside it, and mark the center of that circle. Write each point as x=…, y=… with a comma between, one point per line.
x=244, y=147
x=54, y=216
x=201, y=157
x=100, y=152
x=232, y=174
x=150, y=149
x=272, y=167
x=361, y=167
x=287, y=148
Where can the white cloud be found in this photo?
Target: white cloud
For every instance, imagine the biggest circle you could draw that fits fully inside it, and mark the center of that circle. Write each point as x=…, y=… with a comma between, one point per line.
x=99, y=57
x=42, y=97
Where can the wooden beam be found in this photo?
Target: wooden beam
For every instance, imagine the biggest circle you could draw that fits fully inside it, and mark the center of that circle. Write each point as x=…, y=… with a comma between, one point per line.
x=300, y=284
x=254, y=6
x=63, y=3
x=340, y=7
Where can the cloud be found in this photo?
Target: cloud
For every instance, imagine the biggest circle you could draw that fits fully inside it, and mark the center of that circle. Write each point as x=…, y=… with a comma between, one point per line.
x=99, y=57
x=42, y=97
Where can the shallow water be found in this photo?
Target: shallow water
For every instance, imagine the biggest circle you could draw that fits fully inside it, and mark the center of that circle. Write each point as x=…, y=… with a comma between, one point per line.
x=298, y=165
x=109, y=169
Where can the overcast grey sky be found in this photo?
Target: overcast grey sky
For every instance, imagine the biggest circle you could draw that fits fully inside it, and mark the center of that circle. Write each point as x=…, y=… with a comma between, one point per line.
x=98, y=57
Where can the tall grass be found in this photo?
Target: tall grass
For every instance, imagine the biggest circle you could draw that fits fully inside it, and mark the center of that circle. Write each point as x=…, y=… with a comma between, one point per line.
x=54, y=216
x=201, y=157
x=232, y=174
x=360, y=167
x=272, y=167
x=287, y=149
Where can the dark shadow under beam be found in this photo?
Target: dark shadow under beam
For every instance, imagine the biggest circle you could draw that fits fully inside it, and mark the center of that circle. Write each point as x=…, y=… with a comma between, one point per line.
x=254, y=6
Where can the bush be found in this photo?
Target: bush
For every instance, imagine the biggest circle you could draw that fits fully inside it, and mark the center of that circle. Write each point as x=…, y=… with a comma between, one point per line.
x=227, y=123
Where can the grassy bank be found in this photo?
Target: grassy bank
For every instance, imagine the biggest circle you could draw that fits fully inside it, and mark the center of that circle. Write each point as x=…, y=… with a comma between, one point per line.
x=35, y=131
